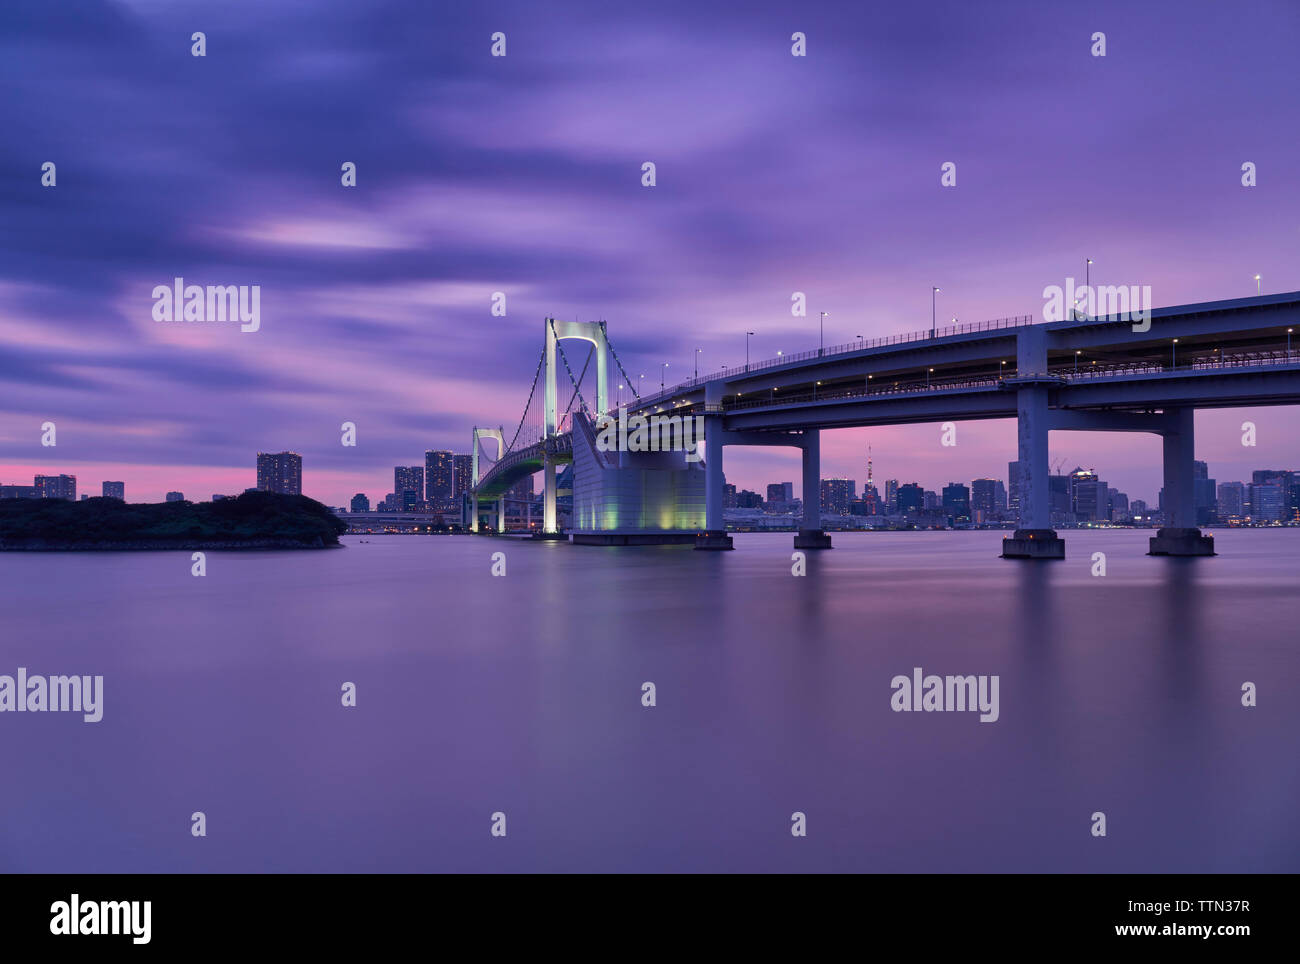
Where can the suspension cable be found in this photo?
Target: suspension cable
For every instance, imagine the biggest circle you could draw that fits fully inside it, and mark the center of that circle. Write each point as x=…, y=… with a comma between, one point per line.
x=626, y=377
x=529, y=403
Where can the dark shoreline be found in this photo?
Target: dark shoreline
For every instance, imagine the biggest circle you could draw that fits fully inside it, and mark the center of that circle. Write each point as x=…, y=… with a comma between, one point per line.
x=252, y=521
x=252, y=545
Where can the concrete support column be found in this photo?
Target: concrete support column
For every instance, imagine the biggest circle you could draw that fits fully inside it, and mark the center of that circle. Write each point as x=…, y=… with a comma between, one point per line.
x=1034, y=538
x=810, y=534
x=1031, y=427
x=1179, y=454
x=812, y=479
x=549, y=523
x=714, y=535
x=1179, y=536
x=501, y=514
x=713, y=477
x=473, y=513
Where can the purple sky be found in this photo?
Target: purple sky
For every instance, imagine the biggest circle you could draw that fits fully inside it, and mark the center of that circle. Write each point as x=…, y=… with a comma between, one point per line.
x=522, y=174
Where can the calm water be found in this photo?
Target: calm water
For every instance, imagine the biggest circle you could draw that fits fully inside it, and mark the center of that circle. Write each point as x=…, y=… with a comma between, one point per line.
x=522, y=694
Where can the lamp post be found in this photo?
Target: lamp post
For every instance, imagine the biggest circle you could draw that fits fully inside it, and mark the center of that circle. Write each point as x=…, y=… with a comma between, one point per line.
x=1087, y=273
x=642, y=384
x=1256, y=284
x=1175, y=365
x=697, y=363
x=1002, y=371
x=662, y=370
x=933, y=294
x=821, y=347
x=1288, y=344
x=927, y=377
x=747, y=335
x=1076, y=361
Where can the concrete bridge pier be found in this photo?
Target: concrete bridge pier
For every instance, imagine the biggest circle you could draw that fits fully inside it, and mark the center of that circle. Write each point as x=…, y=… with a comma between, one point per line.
x=501, y=514
x=549, y=523
x=1035, y=538
x=810, y=534
x=473, y=514
x=714, y=536
x=1180, y=536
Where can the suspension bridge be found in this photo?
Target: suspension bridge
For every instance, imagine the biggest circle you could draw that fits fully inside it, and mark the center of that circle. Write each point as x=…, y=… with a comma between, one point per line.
x=1088, y=374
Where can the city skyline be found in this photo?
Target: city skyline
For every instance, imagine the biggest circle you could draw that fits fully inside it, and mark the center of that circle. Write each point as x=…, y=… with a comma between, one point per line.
x=377, y=299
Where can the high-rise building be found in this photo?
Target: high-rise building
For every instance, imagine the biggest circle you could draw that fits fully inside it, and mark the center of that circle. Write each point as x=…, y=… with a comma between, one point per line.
x=1271, y=477
x=360, y=503
x=836, y=494
x=780, y=492
x=911, y=498
x=115, y=490
x=1233, y=505
x=1204, y=494
x=462, y=474
x=1267, y=503
x=438, y=470
x=1119, y=510
x=57, y=487
x=19, y=492
x=956, y=502
x=279, y=472
x=988, y=500
x=746, y=499
x=728, y=495
x=1013, y=490
x=175, y=496
x=1059, y=500
x=1088, y=496
x=408, y=478
x=891, y=496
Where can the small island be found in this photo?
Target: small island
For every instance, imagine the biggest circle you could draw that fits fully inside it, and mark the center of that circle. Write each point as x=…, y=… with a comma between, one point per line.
x=254, y=520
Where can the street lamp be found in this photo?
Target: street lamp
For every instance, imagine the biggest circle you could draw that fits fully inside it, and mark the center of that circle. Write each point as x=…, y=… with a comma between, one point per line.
x=927, y=378
x=1087, y=273
x=747, y=334
x=661, y=377
x=1002, y=372
x=620, y=394
x=1175, y=365
x=1256, y=284
x=642, y=384
x=821, y=348
x=933, y=292
x=1288, y=343
x=1076, y=361
x=697, y=363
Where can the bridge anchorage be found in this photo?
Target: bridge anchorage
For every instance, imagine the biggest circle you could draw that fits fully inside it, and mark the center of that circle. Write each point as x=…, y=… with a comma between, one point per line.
x=1095, y=374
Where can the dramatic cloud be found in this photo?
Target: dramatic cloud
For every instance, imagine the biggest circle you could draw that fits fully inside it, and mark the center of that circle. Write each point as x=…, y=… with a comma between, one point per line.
x=522, y=174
